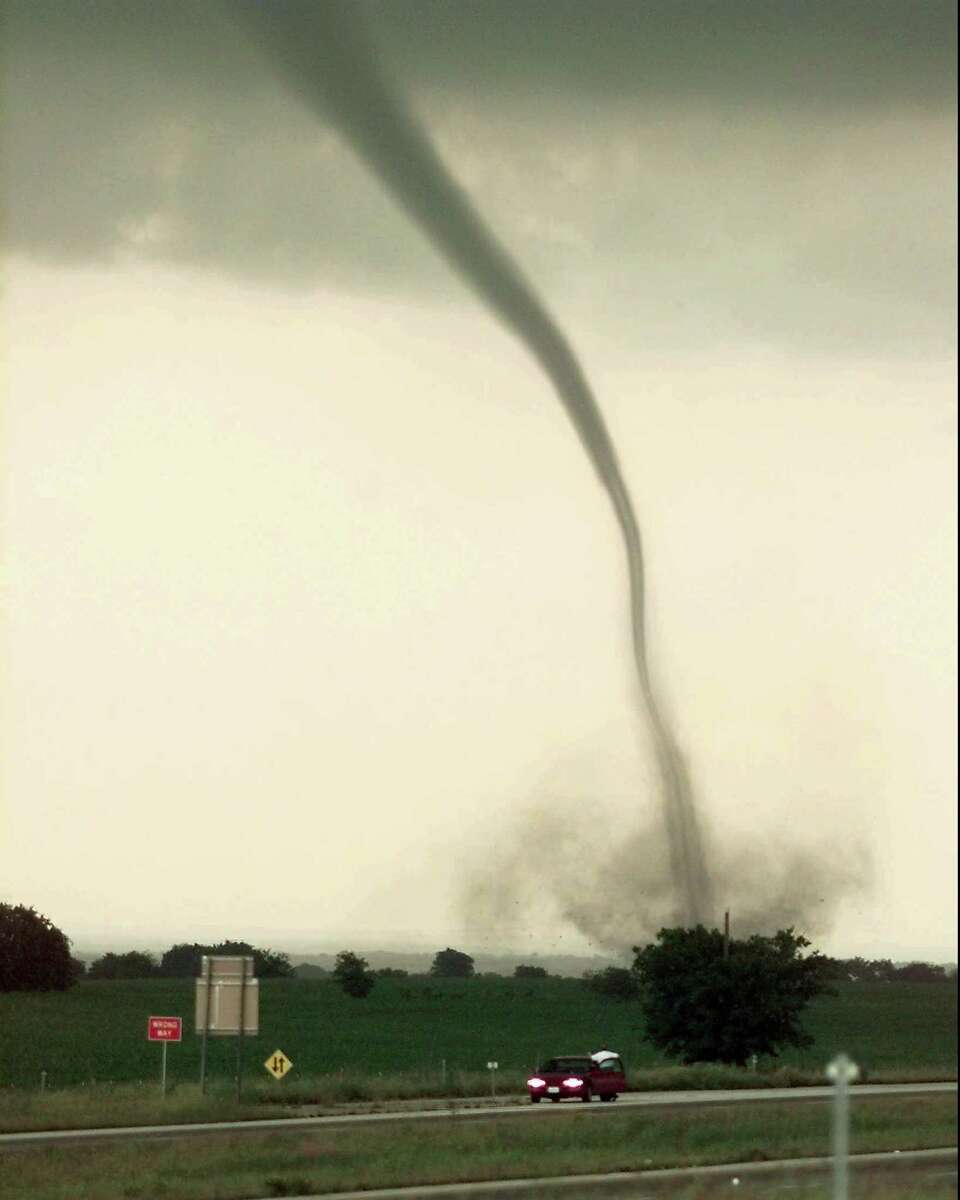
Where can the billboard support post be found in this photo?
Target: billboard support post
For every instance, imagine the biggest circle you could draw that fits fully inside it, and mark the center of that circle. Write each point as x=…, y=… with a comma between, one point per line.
x=208, y=964
x=226, y=1004
x=243, y=988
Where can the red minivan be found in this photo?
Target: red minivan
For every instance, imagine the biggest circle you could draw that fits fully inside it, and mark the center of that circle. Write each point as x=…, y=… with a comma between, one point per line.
x=578, y=1077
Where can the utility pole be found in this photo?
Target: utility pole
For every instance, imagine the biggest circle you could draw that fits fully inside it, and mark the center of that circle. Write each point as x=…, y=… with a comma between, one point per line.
x=726, y=934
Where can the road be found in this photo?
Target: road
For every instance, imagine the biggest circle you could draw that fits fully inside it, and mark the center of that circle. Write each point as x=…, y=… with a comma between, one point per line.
x=462, y=1111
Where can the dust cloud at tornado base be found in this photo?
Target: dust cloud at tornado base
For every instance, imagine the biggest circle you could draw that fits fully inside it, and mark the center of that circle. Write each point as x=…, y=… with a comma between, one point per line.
x=660, y=873
x=575, y=859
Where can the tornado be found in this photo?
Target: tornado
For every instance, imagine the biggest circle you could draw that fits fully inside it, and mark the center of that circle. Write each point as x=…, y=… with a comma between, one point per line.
x=321, y=52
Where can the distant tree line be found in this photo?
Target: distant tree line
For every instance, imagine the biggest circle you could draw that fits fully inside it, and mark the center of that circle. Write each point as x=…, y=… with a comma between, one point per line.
x=184, y=960
x=882, y=970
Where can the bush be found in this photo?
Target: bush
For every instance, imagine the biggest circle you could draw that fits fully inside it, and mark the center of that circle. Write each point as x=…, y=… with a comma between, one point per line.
x=616, y=983
x=132, y=965
x=524, y=971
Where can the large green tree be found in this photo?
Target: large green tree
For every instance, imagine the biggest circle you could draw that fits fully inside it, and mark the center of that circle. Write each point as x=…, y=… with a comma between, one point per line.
x=701, y=1004
x=34, y=953
x=353, y=974
x=452, y=964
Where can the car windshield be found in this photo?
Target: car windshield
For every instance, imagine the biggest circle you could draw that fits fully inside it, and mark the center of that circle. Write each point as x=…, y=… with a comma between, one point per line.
x=569, y=1065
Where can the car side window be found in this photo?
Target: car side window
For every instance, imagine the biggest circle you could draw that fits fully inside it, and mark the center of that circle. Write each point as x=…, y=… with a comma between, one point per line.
x=611, y=1064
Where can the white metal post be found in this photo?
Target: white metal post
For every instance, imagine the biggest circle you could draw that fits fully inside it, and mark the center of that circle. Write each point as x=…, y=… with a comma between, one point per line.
x=842, y=1071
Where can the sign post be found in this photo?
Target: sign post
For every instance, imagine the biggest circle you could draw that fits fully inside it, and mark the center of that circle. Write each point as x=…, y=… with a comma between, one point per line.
x=208, y=971
x=240, y=1023
x=164, y=1030
x=841, y=1072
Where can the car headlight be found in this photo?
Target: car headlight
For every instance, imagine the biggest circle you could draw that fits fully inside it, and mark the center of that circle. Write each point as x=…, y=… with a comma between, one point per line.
x=536, y=1082
x=573, y=1083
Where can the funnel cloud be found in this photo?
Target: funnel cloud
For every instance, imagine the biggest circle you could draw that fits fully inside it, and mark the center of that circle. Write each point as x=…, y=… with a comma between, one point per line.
x=322, y=54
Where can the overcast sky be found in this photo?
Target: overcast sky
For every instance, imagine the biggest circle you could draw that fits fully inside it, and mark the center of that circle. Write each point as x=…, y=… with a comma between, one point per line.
x=314, y=609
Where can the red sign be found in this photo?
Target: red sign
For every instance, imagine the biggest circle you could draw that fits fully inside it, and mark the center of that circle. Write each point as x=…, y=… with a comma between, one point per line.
x=164, y=1029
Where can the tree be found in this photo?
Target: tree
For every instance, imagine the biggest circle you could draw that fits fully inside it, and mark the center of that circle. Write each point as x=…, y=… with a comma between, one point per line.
x=922, y=972
x=183, y=960
x=525, y=971
x=132, y=965
x=353, y=974
x=310, y=971
x=452, y=964
x=704, y=1007
x=267, y=964
x=615, y=983
x=34, y=953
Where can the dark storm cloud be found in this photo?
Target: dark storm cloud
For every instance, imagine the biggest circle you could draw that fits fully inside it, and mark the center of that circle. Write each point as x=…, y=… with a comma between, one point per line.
x=150, y=131
x=824, y=52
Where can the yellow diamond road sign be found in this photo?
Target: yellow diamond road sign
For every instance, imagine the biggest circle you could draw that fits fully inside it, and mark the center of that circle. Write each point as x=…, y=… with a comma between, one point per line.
x=278, y=1064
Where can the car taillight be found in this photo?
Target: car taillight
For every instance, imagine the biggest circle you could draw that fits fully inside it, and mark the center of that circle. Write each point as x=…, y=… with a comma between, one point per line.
x=536, y=1082
x=572, y=1082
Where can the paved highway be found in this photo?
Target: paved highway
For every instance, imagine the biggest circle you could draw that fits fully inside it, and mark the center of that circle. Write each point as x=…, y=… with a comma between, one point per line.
x=467, y=1111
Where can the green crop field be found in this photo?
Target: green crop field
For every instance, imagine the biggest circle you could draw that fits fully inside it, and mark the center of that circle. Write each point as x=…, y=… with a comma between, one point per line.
x=97, y=1031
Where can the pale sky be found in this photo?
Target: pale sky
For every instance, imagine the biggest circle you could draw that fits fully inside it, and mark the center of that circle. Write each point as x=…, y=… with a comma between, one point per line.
x=314, y=610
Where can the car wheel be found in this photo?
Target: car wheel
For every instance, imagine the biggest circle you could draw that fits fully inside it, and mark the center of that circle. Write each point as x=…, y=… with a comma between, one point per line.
x=534, y=1099
x=586, y=1097
x=607, y=1099
x=555, y=1099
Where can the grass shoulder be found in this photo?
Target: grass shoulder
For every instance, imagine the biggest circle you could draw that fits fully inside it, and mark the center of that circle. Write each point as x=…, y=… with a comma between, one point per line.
x=556, y=1143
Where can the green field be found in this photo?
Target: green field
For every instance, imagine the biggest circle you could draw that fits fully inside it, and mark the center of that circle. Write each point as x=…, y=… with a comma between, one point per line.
x=97, y=1031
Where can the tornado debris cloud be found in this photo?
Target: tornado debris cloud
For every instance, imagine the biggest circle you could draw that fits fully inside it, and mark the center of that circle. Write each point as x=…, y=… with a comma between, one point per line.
x=323, y=55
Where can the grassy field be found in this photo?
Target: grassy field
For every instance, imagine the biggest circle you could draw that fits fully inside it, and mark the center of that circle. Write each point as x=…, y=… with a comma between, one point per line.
x=413, y=1029
x=558, y=1143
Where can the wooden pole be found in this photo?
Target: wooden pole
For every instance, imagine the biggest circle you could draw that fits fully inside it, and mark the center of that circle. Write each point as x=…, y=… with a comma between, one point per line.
x=726, y=934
